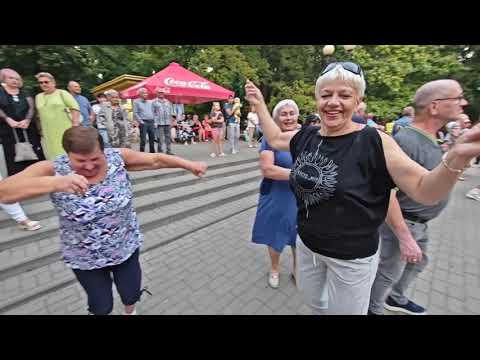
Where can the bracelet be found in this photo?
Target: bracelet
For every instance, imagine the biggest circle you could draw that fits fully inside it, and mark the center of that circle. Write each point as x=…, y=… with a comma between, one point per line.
x=444, y=162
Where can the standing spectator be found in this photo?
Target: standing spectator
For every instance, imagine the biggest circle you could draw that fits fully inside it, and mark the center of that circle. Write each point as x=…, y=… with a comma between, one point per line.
x=178, y=110
x=16, y=212
x=252, y=123
x=101, y=122
x=464, y=121
x=58, y=111
x=101, y=98
x=216, y=122
x=162, y=112
x=173, y=128
x=405, y=120
x=404, y=235
x=216, y=109
x=86, y=112
x=143, y=115
x=371, y=122
x=206, y=127
x=276, y=219
x=312, y=120
x=360, y=114
x=233, y=127
x=115, y=119
x=16, y=115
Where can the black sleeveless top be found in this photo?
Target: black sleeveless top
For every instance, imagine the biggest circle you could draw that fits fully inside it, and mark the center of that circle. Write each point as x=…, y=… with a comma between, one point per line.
x=342, y=188
x=15, y=107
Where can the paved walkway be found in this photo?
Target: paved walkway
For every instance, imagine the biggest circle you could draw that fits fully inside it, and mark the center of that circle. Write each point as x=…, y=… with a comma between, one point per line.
x=217, y=270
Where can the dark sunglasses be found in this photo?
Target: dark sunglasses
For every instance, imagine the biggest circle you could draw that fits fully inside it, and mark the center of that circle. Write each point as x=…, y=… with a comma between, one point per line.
x=349, y=66
x=44, y=82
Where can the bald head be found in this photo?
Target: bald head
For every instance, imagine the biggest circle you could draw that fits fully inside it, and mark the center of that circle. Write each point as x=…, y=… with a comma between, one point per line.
x=74, y=87
x=438, y=89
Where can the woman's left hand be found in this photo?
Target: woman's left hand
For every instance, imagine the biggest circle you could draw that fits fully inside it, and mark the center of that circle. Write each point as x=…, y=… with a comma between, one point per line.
x=198, y=168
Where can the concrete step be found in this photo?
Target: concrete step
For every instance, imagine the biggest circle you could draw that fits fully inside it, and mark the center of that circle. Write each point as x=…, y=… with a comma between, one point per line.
x=31, y=256
x=54, y=285
x=43, y=208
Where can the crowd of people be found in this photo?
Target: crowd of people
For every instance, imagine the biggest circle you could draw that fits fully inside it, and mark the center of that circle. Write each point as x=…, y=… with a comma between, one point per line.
x=334, y=186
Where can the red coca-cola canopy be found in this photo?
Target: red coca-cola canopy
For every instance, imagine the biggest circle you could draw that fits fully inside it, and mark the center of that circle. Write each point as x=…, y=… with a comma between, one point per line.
x=181, y=86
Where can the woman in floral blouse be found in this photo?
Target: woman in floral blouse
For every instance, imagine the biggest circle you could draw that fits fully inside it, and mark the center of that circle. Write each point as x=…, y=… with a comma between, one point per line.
x=99, y=229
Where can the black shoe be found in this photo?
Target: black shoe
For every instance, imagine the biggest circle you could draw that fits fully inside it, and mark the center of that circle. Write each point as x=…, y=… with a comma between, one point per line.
x=170, y=153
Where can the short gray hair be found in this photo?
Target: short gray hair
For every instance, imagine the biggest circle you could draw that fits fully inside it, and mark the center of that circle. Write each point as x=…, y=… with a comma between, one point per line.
x=142, y=89
x=357, y=82
x=281, y=105
x=110, y=93
x=431, y=91
x=44, y=74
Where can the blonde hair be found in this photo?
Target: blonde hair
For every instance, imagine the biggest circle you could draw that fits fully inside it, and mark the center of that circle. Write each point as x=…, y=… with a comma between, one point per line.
x=357, y=82
x=110, y=93
x=284, y=103
x=4, y=72
x=45, y=74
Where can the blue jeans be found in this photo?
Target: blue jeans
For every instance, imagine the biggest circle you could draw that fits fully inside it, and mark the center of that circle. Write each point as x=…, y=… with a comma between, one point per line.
x=98, y=284
x=148, y=127
x=104, y=134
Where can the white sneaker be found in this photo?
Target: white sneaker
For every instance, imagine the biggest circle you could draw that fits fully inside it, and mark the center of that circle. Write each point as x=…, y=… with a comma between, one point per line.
x=250, y=146
x=234, y=152
x=213, y=155
x=186, y=143
x=30, y=225
x=473, y=194
x=132, y=313
x=222, y=155
x=274, y=280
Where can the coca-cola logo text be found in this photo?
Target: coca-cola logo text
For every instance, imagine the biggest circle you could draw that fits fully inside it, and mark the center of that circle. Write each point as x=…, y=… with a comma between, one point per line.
x=190, y=84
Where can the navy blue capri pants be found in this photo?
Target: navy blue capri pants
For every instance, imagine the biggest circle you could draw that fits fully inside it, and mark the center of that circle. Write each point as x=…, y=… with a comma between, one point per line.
x=97, y=283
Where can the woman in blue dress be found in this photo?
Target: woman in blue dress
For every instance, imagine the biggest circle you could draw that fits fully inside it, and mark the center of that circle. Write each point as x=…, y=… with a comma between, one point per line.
x=276, y=219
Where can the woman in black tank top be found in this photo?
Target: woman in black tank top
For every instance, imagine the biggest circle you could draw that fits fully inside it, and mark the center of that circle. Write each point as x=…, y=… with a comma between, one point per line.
x=342, y=177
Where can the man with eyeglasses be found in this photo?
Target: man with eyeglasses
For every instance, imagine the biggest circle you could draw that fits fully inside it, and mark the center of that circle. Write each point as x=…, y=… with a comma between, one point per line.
x=405, y=232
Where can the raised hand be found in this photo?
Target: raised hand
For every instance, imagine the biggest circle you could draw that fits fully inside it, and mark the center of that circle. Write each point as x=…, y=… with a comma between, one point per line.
x=253, y=94
x=468, y=145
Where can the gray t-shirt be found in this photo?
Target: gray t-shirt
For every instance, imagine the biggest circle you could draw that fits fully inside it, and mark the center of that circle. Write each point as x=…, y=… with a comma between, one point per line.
x=424, y=150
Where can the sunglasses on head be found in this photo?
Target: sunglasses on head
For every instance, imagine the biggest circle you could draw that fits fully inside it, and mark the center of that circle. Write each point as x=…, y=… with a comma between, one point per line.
x=349, y=66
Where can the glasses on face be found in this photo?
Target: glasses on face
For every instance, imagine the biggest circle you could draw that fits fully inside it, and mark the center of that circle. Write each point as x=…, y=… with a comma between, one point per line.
x=44, y=82
x=457, y=99
x=349, y=66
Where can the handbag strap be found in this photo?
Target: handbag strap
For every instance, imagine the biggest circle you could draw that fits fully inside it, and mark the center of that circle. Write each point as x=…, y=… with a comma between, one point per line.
x=16, y=136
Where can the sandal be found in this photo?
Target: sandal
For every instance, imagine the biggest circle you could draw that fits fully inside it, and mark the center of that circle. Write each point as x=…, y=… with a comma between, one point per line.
x=30, y=225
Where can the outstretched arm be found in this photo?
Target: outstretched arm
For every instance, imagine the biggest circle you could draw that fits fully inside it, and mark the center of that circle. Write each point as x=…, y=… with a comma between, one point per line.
x=429, y=187
x=138, y=161
x=39, y=179
x=276, y=138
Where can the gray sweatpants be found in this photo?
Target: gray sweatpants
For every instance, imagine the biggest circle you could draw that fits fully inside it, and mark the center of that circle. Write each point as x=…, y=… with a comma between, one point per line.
x=394, y=276
x=333, y=286
x=164, y=137
x=234, y=137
